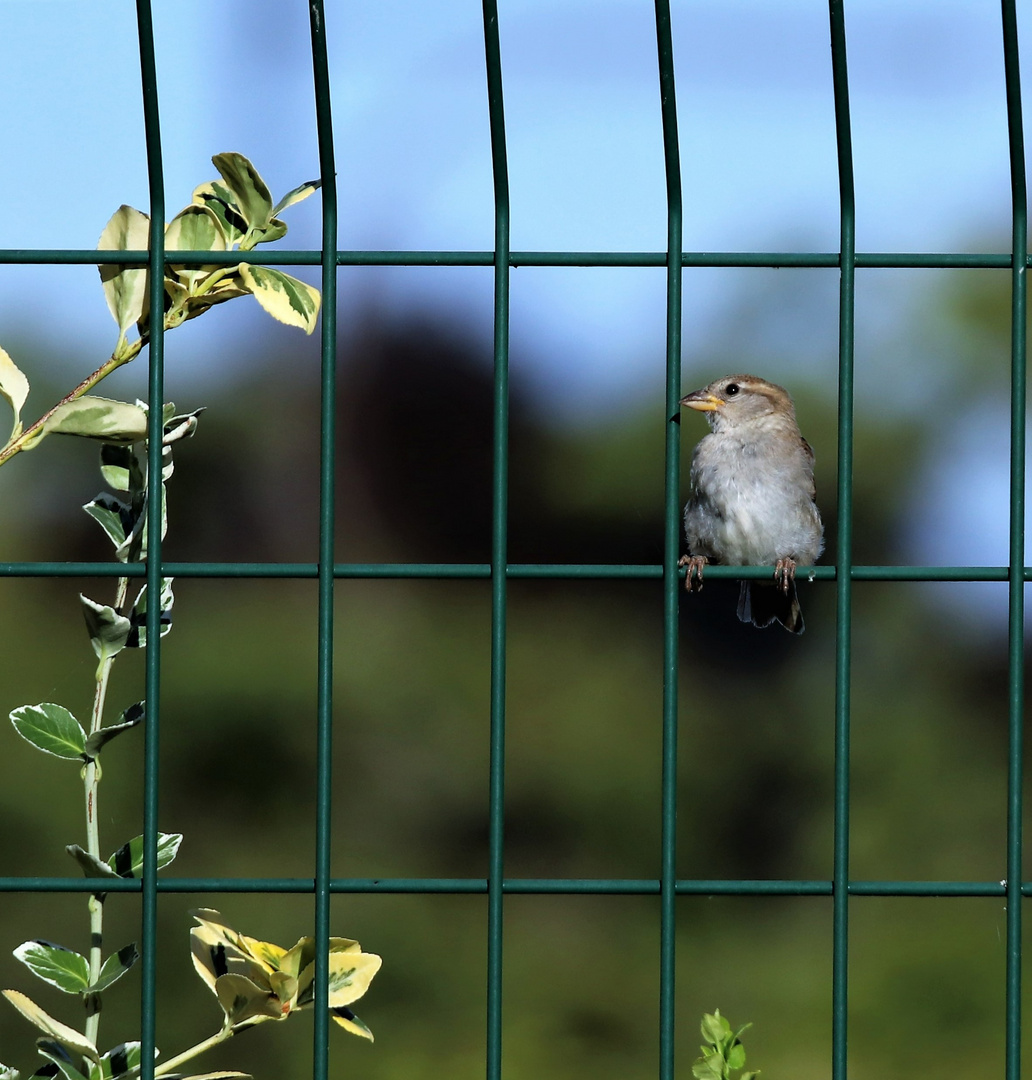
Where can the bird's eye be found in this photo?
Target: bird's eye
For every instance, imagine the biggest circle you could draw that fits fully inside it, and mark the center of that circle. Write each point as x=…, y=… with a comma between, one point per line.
x=731, y=389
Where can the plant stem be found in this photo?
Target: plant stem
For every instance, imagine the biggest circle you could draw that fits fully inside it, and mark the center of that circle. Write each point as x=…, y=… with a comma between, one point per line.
x=30, y=434
x=91, y=784
x=205, y=1044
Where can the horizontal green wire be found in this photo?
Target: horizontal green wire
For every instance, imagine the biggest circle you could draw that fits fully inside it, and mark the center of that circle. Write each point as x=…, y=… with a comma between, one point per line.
x=527, y=886
x=882, y=260
x=588, y=571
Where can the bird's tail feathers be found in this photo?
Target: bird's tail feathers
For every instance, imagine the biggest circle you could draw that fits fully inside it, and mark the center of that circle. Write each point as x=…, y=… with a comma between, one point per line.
x=766, y=604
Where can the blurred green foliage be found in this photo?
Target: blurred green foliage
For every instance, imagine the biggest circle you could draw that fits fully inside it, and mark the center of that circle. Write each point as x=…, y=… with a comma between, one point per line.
x=583, y=731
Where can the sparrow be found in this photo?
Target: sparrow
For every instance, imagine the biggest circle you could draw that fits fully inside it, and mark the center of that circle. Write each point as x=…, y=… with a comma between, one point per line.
x=752, y=500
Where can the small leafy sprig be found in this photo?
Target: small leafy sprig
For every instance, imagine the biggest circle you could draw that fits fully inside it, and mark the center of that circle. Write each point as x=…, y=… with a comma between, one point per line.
x=722, y=1052
x=253, y=981
x=235, y=212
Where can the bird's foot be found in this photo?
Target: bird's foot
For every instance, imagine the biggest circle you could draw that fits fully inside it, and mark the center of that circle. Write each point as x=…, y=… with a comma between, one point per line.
x=693, y=577
x=784, y=573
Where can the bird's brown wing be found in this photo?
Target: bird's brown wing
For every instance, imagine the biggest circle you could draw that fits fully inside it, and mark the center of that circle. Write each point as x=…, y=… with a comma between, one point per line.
x=808, y=451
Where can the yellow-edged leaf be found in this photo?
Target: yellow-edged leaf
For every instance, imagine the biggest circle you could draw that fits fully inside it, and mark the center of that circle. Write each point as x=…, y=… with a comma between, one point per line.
x=15, y=387
x=71, y=1038
x=244, y=1001
x=264, y=951
x=350, y=1022
x=350, y=976
x=195, y=228
x=250, y=190
x=284, y=297
x=222, y=203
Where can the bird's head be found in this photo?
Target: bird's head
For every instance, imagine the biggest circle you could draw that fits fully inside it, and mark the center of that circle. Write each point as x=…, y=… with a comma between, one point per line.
x=736, y=399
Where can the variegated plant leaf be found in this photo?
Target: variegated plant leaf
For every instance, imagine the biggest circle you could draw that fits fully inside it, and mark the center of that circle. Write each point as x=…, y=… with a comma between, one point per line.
x=302, y=191
x=108, y=629
x=64, y=968
x=50, y=728
x=350, y=1022
x=245, y=1002
x=90, y=865
x=115, y=966
x=196, y=228
x=121, y=1060
x=221, y=1074
x=284, y=297
x=99, y=418
x=350, y=974
x=222, y=203
x=71, y=1038
x=125, y=289
x=15, y=387
x=250, y=191
x=127, y=861
x=138, y=617
x=113, y=515
x=100, y=738
x=69, y=1064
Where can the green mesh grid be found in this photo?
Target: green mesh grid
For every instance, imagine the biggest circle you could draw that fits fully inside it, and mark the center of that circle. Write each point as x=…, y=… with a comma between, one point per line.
x=667, y=887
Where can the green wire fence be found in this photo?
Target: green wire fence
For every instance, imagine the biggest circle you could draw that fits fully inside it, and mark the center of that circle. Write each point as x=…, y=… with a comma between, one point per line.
x=667, y=887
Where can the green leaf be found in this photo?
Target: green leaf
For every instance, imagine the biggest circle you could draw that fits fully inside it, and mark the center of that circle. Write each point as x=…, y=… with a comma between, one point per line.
x=709, y=1068
x=99, y=739
x=138, y=634
x=67, y=1062
x=115, y=966
x=64, y=968
x=50, y=728
x=302, y=191
x=109, y=631
x=714, y=1027
x=15, y=387
x=90, y=864
x=98, y=418
x=125, y=290
x=249, y=190
x=736, y=1056
x=69, y=1037
x=127, y=861
x=751, y=1075
x=284, y=297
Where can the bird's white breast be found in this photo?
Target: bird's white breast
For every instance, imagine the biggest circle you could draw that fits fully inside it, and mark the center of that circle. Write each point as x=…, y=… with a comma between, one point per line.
x=752, y=501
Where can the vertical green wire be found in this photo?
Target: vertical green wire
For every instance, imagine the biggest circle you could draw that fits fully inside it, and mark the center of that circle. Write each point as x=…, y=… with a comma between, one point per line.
x=1016, y=609
x=324, y=707
x=499, y=542
x=844, y=554
x=155, y=395
x=671, y=547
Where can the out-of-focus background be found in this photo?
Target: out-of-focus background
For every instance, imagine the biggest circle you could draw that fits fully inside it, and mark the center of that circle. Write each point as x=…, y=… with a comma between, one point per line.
x=584, y=679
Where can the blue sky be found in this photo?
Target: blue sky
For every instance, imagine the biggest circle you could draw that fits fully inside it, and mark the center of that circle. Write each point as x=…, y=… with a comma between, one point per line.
x=585, y=156
x=584, y=142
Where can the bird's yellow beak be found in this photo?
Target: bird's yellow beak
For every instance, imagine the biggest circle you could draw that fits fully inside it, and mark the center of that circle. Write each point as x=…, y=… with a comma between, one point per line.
x=703, y=402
